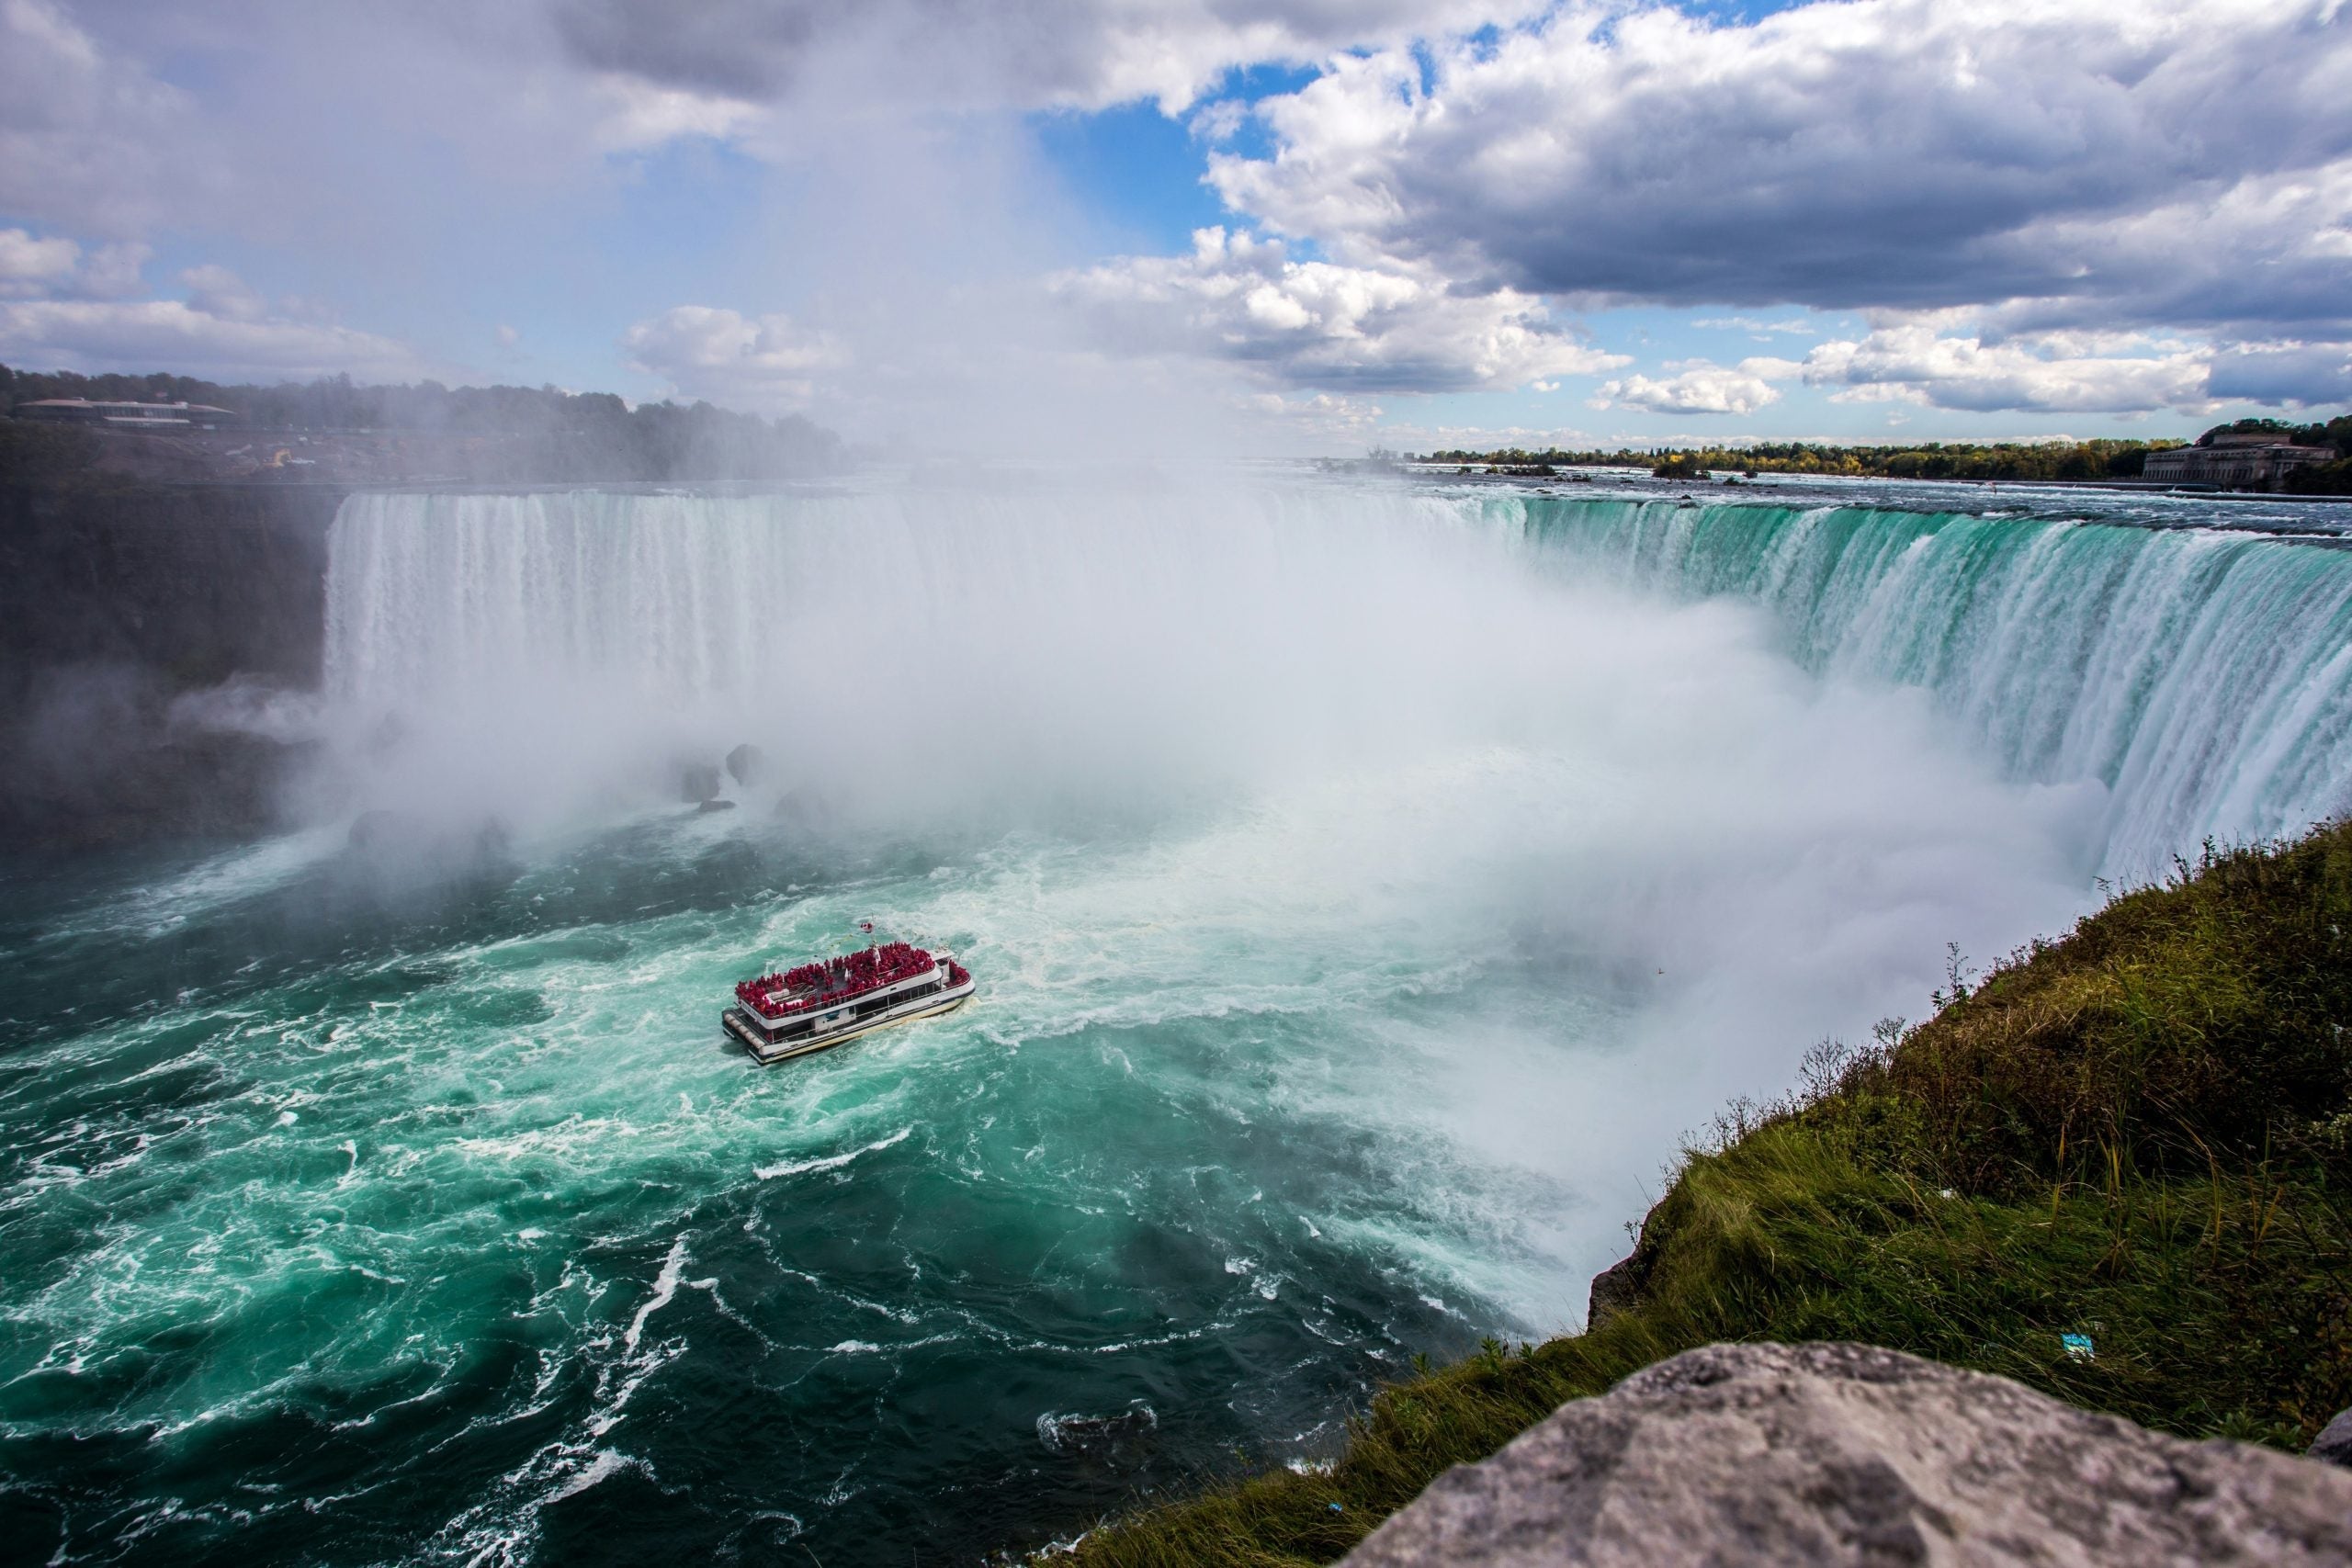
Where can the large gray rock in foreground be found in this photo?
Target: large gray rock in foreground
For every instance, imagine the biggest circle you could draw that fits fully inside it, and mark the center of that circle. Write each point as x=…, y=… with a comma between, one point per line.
x=1846, y=1454
x=2333, y=1443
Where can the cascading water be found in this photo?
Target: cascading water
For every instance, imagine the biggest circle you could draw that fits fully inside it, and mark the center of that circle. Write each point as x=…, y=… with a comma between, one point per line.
x=2204, y=677
x=1366, y=887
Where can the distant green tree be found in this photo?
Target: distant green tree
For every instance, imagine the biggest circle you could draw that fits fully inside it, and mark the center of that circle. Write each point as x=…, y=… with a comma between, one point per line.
x=2278, y=427
x=1680, y=466
x=2004, y=461
x=2321, y=478
x=545, y=430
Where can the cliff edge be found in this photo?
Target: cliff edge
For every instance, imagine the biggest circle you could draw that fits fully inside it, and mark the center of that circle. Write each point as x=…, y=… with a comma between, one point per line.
x=1849, y=1456
x=2116, y=1172
x=118, y=600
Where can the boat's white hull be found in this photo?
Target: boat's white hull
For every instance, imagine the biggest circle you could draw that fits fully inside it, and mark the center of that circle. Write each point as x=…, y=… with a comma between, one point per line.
x=768, y=1051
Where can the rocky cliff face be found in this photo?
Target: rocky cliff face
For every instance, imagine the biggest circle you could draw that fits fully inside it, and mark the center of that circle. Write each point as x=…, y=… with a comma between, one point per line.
x=117, y=602
x=1847, y=1454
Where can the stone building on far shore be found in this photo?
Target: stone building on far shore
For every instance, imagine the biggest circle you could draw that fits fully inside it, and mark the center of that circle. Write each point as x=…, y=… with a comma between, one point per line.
x=2250, y=459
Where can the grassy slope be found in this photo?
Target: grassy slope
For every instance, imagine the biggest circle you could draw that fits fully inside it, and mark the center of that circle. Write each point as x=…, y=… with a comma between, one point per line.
x=2141, y=1133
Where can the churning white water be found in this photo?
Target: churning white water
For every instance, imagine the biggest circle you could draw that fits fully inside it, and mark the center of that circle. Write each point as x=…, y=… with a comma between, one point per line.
x=1366, y=887
x=1405, y=733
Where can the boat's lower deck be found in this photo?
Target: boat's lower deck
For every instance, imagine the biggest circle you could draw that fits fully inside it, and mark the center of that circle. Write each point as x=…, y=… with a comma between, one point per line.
x=904, y=1008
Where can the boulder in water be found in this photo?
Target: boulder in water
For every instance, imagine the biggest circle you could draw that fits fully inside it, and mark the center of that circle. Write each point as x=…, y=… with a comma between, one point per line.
x=747, y=764
x=805, y=808
x=381, y=829
x=1854, y=1455
x=698, y=781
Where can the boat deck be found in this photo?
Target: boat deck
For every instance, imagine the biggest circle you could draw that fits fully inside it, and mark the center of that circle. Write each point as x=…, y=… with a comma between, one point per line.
x=778, y=1040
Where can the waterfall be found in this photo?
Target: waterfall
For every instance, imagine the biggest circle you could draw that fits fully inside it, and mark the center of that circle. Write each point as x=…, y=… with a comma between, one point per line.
x=1040, y=641
x=2203, y=677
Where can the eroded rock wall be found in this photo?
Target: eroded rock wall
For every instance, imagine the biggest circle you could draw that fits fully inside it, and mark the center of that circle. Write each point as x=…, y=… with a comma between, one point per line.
x=116, y=602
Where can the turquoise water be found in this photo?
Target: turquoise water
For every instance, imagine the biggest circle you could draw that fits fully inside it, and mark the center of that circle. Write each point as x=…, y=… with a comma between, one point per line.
x=1366, y=889
x=2202, y=675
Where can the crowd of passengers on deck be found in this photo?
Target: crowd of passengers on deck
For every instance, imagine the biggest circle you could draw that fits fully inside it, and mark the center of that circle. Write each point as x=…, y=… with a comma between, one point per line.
x=833, y=980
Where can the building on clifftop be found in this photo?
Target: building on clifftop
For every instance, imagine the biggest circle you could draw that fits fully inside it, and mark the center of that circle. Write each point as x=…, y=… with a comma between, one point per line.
x=2232, y=460
x=129, y=415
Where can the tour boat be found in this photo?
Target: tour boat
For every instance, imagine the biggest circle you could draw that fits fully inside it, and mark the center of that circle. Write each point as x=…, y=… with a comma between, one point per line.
x=795, y=1011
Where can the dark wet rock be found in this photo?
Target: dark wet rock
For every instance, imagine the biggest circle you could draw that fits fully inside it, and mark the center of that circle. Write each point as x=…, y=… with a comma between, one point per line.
x=1625, y=1284
x=747, y=764
x=707, y=806
x=115, y=600
x=381, y=830
x=2333, y=1443
x=698, y=781
x=804, y=807
x=1615, y=1289
x=90, y=756
x=1849, y=1454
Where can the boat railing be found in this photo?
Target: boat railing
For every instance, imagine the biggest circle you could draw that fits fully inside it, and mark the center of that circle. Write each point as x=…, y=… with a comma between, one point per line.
x=837, y=981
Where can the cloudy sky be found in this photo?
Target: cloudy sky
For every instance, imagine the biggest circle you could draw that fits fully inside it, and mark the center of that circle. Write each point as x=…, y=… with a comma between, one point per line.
x=1268, y=224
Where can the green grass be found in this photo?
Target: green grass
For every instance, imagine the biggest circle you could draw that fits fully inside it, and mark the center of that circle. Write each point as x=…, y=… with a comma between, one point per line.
x=2140, y=1133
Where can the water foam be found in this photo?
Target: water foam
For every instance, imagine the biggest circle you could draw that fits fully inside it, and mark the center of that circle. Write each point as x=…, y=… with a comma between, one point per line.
x=1060, y=642
x=1443, y=886
x=2201, y=675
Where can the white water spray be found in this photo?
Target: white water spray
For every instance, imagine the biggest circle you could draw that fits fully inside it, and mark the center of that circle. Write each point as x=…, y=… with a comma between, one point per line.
x=1301, y=740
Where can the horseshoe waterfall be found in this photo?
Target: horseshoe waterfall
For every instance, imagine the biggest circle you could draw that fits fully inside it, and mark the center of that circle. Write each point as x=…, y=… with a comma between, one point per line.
x=1369, y=884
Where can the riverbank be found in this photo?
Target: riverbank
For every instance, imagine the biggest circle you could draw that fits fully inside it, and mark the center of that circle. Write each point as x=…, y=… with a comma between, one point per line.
x=2116, y=1170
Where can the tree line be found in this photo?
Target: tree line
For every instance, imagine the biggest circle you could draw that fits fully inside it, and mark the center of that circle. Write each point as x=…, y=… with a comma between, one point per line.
x=544, y=433
x=2019, y=461
x=2015, y=460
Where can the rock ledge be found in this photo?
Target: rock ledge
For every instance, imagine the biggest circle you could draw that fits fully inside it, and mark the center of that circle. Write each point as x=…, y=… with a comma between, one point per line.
x=1848, y=1454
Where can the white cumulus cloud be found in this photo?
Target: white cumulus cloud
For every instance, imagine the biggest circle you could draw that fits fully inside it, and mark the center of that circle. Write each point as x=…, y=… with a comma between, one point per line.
x=769, y=362
x=2073, y=162
x=1701, y=387
x=54, y=265
x=1242, y=299
x=87, y=140
x=1078, y=53
x=146, y=334
x=2056, y=374
x=31, y=265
